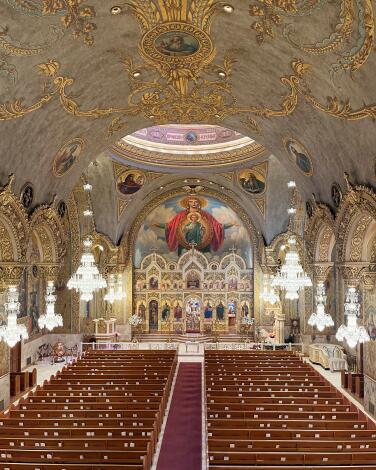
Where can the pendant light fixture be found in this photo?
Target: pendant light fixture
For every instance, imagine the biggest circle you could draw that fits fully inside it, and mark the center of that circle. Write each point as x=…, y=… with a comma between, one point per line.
x=12, y=332
x=87, y=279
x=268, y=294
x=350, y=331
x=320, y=319
x=291, y=277
x=50, y=319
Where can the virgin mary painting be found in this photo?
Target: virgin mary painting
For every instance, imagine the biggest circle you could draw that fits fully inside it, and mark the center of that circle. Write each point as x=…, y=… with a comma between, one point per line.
x=194, y=227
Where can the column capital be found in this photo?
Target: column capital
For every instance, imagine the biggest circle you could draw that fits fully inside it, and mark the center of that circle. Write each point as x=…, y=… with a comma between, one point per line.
x=352, y=272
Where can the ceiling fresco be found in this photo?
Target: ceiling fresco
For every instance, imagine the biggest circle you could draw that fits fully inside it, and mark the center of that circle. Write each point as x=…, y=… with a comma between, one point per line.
x=273, y=71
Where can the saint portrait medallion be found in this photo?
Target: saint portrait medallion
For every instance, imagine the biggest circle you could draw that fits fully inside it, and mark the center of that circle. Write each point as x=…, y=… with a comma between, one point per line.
x=299, y=155
x=67, y=157
x=177, y=45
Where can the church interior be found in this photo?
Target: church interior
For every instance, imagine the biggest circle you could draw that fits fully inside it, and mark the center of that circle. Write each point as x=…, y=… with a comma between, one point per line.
x=187, y=235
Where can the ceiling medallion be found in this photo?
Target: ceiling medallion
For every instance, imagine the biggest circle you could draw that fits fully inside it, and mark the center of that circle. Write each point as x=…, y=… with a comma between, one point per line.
x=179, y=51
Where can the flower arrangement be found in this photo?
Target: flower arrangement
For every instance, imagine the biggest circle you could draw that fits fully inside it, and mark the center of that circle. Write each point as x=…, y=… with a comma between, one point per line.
x=135, y=320
x=248, y=320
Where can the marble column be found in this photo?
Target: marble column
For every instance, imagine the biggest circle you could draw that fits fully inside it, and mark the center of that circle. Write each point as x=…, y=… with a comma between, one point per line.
x=279, y=327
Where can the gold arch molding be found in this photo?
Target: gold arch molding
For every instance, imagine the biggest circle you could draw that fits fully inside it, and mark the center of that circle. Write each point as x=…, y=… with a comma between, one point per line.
x=217, y=161
x=128, y=241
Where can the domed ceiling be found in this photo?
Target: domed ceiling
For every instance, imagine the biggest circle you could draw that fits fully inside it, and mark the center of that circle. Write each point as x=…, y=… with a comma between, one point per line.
x=295, y=77
x=176, y=146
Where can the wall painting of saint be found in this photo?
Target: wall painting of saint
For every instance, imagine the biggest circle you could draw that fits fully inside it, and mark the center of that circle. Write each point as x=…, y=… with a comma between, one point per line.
x=299, y=155
x=67, y=157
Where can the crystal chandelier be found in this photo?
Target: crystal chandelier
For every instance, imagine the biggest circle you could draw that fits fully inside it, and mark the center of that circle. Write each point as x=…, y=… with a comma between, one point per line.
x=320, y=319
x=12, y=332
x=115, y=289
x=268, y=294
x=292, y=277
x=50, y=319
x=87, y=279
x=352, y=333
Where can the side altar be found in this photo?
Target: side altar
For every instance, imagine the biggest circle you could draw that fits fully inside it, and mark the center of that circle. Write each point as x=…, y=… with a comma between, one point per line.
x=194, y=294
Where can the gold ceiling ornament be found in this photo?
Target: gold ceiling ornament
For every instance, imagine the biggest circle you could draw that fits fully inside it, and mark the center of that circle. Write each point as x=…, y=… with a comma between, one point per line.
x=342, y=32
x=76, y=16
x=15, y=48
x=268, y=16
x=356, y=20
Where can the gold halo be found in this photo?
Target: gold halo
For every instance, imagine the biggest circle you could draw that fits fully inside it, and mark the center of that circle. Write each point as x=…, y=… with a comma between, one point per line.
x=184, y=202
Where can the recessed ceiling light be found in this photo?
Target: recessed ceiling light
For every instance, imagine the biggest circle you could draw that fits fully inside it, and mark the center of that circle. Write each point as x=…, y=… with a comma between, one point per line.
x=116, y=10
x=228, y=8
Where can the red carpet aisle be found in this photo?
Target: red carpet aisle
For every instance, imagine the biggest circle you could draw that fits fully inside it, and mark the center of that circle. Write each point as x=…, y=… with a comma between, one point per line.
x=181, y=445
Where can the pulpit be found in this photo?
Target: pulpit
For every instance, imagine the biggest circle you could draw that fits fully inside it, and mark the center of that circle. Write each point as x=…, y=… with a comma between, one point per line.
x=105, y=330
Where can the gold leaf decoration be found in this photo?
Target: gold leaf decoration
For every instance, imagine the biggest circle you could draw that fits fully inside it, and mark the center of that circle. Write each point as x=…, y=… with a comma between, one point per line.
x=78, y=17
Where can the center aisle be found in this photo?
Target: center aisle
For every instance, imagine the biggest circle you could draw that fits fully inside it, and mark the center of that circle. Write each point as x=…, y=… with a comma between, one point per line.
x=182, y=440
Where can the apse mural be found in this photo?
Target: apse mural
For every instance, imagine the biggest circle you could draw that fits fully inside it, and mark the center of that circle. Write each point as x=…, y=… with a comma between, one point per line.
x=196, y=221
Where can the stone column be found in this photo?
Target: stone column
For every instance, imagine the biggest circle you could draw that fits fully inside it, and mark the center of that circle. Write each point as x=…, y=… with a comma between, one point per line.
x=279, y=327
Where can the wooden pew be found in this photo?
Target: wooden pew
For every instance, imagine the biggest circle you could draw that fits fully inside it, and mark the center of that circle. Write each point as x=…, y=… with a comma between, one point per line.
x=275, y=411
x=102, y=411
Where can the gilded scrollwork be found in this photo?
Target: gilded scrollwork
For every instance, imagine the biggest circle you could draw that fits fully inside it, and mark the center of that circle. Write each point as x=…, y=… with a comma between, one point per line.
x=183, y=83
x=17, y=230
x=75, y=16
x=319, y=232
x=15, y=48
x=357, y=203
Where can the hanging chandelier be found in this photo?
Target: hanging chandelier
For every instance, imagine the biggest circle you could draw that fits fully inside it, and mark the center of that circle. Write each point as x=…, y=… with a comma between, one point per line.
x=268, y=294
x=292, y=277
x=12, y=332
x=50, y=319
x=115, y=289
x=352, y=333
x=320, y=319
x=87, y=279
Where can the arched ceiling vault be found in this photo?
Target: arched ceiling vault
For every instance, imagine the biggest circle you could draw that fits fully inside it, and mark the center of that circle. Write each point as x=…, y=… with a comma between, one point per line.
x=73, y=70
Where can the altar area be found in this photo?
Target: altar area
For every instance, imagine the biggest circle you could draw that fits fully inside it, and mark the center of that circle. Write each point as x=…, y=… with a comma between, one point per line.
x=193, y=295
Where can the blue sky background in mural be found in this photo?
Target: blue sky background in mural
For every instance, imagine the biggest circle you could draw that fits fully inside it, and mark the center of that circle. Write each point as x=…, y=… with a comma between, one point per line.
x=151, y=238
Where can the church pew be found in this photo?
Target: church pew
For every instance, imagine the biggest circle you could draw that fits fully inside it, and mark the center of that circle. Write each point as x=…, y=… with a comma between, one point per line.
x=278, y=422
x=119, y=425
